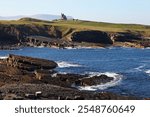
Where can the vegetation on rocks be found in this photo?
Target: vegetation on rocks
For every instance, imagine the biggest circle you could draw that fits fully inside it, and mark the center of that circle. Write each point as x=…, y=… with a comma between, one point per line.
x=13, y=32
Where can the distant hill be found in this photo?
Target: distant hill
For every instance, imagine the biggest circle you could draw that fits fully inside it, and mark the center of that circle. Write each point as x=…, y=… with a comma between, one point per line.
x=37, y=16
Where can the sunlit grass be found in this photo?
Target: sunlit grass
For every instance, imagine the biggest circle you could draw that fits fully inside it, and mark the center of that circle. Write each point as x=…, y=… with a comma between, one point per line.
x=78, y=25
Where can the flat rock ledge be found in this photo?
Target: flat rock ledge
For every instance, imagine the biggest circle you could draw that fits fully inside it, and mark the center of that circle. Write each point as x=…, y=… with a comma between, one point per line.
x=23, y=78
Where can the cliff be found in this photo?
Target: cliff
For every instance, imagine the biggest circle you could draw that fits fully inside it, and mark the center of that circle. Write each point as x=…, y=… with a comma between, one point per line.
x=12, y=34
x=92, y=36
x=17, y=32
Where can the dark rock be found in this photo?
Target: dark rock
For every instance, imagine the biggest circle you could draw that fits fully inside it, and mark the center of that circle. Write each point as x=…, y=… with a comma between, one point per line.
x=78, y=82
x=96, y=80
x=14, y=34
x=79, y=98
x=91, y=36
x=28, y=63
x=56, y=92
x=12, y=97
x=17, y=80
x=126, y=37
x=41, y=74
x=68, y=98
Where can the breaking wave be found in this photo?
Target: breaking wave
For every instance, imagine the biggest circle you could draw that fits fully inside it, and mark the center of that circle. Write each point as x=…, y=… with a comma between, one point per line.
x=63, y=64
x=117, y=79
x=148, y=72
x=147, y=48
x=70, y=48
x=3, y=57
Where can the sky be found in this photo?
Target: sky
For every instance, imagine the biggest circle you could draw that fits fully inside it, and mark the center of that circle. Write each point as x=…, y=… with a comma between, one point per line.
x=116, y=11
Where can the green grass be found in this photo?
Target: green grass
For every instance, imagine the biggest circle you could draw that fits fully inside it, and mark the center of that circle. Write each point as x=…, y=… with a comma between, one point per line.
x=101, y=25
x=77, y=25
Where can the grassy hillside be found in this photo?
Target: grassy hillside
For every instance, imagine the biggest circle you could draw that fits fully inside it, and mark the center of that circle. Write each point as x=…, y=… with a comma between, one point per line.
x=110, y=27
x=71, y=25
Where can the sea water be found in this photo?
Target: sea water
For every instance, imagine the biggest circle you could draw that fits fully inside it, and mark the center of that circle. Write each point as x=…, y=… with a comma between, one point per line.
x=130, y=67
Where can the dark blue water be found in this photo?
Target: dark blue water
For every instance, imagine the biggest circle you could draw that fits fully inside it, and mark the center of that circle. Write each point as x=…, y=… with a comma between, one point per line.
x=131, y=65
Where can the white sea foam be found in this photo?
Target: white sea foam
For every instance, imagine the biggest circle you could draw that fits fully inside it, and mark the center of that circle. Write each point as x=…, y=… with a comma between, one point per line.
x=40, y=46
x=148, y=72
x=84, y=47
x=70, y=48
x=147, y=48
x=63, y=72
x=117, y=79
x=63, y=64
x=3, y=57
x=140, y=67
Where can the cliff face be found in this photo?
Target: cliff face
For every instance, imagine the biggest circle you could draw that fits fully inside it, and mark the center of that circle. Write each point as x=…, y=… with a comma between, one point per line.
x=92, y=36
x=13, y=34
x=8, y=36
x=126, y=36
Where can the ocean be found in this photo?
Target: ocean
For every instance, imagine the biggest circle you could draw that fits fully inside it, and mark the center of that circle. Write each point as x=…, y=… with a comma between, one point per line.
x=130, y=67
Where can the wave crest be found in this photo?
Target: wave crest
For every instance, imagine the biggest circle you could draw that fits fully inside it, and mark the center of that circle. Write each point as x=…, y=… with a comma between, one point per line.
x=148, y=72
x=3, y=57
x=117, y=79
x=63, y=64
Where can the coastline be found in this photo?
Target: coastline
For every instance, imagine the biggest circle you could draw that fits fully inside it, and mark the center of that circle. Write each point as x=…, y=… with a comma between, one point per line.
x=27, y=32
x=63, y=34
x=26, y=80
x=77, y=46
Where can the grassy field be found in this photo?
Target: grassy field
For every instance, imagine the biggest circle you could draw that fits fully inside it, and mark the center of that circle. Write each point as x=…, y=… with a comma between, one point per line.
x=65, y=26
x=110, y=27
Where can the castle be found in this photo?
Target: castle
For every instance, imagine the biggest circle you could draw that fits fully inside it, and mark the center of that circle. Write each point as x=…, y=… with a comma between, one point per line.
x=63, y=16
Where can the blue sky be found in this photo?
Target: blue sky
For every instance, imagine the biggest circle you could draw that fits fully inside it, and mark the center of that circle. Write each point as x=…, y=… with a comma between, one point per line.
x=117, y=11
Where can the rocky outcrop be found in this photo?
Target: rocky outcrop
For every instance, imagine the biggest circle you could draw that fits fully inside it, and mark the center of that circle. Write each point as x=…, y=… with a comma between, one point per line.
x=126, y=36
x=20, y=34
x=91, y=36
x=95, y=80
x=6, y=38
x=30, y=64
x=31, y=78
x=13, y=34
x=53, y=92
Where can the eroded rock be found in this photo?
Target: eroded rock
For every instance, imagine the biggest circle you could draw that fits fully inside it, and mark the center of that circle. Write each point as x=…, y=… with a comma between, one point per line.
x=95, y=80
x=30, y=64
x=32, y=78
x=92, y=36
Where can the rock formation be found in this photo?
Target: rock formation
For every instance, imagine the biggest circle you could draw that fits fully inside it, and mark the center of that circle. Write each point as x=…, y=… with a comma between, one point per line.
x=91, y=36
x=126, y=37
x=14, y=34
x=31, y=78
x=30, y=64
x=95, y=80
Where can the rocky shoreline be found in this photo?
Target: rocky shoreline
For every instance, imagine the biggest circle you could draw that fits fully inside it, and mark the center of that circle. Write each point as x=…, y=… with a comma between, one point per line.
x=13, y=36
x=73, y=46
x=23, y=78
